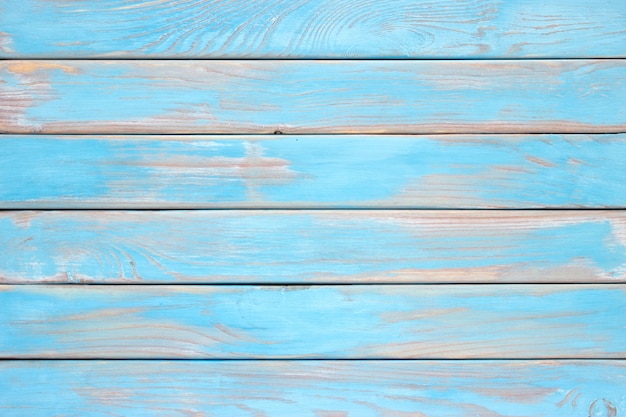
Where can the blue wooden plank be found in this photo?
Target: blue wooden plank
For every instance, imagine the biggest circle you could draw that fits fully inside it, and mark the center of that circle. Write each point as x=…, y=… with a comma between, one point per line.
x=325, y=322
x=437, y=171
x=313, y=29
x=568, y=96
x=319, y=246
x=313, y=388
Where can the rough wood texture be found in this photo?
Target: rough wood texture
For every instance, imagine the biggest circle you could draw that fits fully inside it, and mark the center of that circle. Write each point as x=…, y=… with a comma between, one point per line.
x=437, y=171
x=557, y=141
x=326, y=322
x=312, y=28
x=312, y=246
x=569, y=96
x=314, y=389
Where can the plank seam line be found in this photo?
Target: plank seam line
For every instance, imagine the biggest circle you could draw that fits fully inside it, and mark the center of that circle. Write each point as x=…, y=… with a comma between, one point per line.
x=308, y=284
x=307, y=208
x=304, y=59
x=330, y=359
x=297, y=134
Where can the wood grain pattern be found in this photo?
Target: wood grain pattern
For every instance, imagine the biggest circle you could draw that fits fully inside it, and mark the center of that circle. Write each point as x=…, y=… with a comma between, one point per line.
x=314, y=389
x=312, y=29
x=228, y=247
x=279, y=171
x=326, y=322
x=568, y=96
x=506, y=131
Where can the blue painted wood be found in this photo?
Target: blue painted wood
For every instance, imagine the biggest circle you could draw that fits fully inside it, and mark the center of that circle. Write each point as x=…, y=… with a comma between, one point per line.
x=313, y=389
x=568, y=96
x=278, y=246
x=353, y=321
x=437, y=171
x=313, y=29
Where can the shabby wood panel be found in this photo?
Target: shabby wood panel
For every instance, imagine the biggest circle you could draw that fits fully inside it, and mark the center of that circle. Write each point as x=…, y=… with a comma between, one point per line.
x=435, y=171
x=565, y=96
x=315, y=322
x=312, y=29
x=314, y=388
x=319, y=246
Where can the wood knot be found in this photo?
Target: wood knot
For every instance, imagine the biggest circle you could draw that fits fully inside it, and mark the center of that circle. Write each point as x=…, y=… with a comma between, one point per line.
x=602, y=408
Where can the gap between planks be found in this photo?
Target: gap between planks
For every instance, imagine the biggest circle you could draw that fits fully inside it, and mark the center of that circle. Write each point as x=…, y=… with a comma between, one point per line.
x=268, y=135
x=296, y=360
x=318, y=58
x=190, y=208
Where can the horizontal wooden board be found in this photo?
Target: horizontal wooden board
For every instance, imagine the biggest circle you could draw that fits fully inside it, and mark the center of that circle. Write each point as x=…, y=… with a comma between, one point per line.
x=327, y=322
x=391, y=171
x=317, y=246
x=313, y=389
x=568, y=96
x=312, y=29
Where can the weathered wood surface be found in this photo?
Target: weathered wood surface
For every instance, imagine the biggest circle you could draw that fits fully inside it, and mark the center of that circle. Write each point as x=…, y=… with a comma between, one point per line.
x=579, y=165
x=568, y=96
x=436, y=171
x=326, y=322
x=312, y=246
x=313, y=29
x=314, y=389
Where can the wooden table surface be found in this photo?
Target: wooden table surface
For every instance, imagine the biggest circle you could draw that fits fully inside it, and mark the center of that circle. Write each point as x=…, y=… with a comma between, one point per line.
x=320, y=208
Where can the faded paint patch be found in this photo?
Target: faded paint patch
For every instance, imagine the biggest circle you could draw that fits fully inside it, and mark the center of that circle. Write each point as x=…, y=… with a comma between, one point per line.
x=618, y=223
x=529, y=395
x=416, y=315
x=507, y=273
x=540, y=161
x=329, y=413
x=28, y=67
x=441, y=126
x=248, y=174
x=23, y=219
x=23, y=86
x=6, y=42
x=451, y=190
